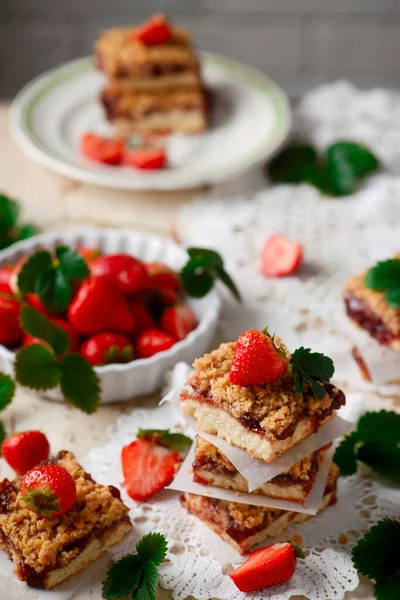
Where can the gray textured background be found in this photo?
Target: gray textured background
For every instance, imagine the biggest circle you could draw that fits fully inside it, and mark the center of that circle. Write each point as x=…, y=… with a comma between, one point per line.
x=297, y=42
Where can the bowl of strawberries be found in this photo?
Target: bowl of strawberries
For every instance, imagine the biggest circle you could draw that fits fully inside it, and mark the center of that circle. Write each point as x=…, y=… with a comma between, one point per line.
x=120, y=297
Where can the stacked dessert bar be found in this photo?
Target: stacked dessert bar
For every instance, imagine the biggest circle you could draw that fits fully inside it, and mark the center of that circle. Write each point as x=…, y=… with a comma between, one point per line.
x=265, y=421
x=154, y=81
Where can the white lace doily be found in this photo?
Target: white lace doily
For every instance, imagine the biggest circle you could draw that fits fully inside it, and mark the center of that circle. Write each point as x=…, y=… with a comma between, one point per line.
x=198, y=561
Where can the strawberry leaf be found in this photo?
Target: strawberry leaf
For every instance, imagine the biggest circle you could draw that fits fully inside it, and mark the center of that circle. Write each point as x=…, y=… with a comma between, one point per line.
x=196, y=280
x=173, y=441
x=152, y=547
x=123, y=578
x=206, y=256
x=375, y=555
x=37, y=325
x=7, y=390
x=27, y=231
x=9, y=211
x=383, y=458
x=293, y=164
x=72, y=264
x=79, y=383
x=384, y=275
x=53, y=289
x=387, y=590
x=223, y=276
x=3, y=434
x=147, y=589
x=36, y=367
x=314, y=368
x=346, y=456
x=31, y=270
x=382, y=426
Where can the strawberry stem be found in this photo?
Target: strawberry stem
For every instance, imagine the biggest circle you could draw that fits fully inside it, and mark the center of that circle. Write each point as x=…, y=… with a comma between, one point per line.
x=43, y=502
x=297, y=550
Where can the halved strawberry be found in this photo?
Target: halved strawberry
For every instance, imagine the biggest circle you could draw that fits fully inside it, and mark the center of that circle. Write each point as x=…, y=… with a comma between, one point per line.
x=280, y=256
x=256, y=359
x=178, y=321
x=265, y=567
x=147, y=468
x=101, y=149
x=145, y=157
x=155, y=31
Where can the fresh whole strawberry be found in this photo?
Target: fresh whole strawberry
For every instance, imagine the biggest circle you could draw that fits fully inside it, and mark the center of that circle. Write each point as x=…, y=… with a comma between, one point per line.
x=73, y=337
x=155, y=31
x=126, y=272
x=178, y=321
x=25, y=450
x=106, y=348
x=142, y=316
x=280, y=256
x=256, y=359
x=48, y=490
x=153, y=341
x=162, y=277
x=147, y=468
x=5, y=276
x=10, y=328
x=265, y=567
x=99, y=306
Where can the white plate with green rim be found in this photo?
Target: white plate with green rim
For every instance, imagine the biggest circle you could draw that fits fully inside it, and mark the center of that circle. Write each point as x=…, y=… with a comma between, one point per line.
x=250, y=120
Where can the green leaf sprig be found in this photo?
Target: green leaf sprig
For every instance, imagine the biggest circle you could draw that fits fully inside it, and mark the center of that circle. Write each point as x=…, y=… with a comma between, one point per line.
x=7, y=391
x=335, y=173
x=203, y=268
x=10, y=230
x=375, y=442
x=173, y=441
x=376, y=556
x=53, y=278
x=385, y=277
x=136, y=575
x=313, y=368
x=43, y=367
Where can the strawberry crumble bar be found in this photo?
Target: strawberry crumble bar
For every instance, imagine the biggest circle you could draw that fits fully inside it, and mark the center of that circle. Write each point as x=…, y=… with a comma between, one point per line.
x=48, y=551
x=368, y=309
x=265, y=420
x=244, y=526
x=211, y=467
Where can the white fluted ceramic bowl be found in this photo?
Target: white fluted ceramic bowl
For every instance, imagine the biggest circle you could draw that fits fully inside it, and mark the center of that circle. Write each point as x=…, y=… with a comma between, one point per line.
x=144, y=376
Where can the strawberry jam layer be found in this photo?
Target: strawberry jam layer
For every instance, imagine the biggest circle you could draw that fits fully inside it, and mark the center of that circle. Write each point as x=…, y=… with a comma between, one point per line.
x=360, y=312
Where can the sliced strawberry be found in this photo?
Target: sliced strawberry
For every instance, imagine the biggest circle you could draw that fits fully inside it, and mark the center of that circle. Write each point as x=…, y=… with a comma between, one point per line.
x=153, y=341
x=5, y=277
x=145, y=158
x=73, y=337
x=10, y=328
x=25, y=450
x=106, y=348
x=142, y=316
x=162, y=277
x=155, y=31
x=178, y=321
x=280, y=256
x=122, y=270
x=102, y=149
x=48, y=490
x=256, y=359
x=265, y=567
x=147, y=468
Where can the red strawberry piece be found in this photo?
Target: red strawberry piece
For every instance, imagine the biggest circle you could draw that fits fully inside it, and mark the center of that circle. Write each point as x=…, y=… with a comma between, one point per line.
x=162, y=277
x=106, y=348
x=99, y=306
x=73, y=337
x=280, y=256
x=89, y=254
x=167, y=297
x=256, y=359
x=147, y=468
x=153, y=341
x=5, y=276
x=145, y=158
x=265, y=567
x=25, y=450
x=155, y=31
x=142, y=316
x=101, y=149
x=122, y=270
x=48, y=490
x=35, y=302
x=10, y=328
x=178, y=321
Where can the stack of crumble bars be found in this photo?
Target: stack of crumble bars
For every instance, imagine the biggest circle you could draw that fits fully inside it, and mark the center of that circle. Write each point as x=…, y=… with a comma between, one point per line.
x=266, y=421
x=152, y=87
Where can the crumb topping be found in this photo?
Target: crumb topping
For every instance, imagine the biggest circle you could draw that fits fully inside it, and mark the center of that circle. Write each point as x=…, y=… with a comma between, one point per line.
x=47, y=543
x=119, y=52
x=375, y=302
x=275, y=406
